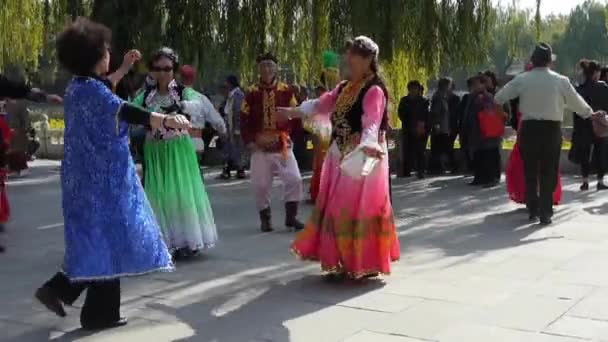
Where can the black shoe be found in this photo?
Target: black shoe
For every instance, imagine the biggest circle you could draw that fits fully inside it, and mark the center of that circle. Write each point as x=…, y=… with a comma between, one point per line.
x=585, y=186
x=2, y=249
x=406, y=175
x=225, y=175
x=184, y=253
x=421, y=175
x=545, y=221
x=102, y=326
x=334, y=277
x=240, y=174
x=46, y=297
x=601, y=186
x=475, y=182
x=266, y=221
x=291, y=216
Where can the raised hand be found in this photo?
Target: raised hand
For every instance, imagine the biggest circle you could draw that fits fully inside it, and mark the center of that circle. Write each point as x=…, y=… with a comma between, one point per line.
x=131, y=58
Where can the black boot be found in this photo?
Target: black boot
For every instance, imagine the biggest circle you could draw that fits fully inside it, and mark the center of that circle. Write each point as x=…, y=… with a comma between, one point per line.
x=225, y=175
x=291, y=216
x=47, y=298
x=266, y=221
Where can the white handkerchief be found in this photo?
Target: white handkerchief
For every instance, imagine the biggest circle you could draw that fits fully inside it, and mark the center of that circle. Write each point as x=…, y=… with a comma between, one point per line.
x=357, y=164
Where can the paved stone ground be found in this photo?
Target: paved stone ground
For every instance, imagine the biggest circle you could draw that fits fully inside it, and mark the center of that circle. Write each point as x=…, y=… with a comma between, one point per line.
x=473, y=269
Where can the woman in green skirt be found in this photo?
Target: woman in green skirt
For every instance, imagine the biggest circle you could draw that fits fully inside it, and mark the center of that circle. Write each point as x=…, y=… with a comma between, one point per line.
x=173, y=182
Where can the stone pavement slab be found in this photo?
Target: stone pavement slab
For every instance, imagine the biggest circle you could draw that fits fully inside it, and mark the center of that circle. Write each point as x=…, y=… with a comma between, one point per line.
x=473, y=269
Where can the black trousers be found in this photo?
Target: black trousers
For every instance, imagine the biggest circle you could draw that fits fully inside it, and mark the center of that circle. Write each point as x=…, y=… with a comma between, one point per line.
x=467, y=155
x=540, y=151
x=32, y=148
x=452, y=152
x=102, y=304
x=440, y=151
x=413, y=150
x=597, y=152
x=299, y=149
x=487, y=165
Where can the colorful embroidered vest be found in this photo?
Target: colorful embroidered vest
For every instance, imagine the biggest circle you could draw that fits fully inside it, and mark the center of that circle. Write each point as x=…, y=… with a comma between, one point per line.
x=347, y=120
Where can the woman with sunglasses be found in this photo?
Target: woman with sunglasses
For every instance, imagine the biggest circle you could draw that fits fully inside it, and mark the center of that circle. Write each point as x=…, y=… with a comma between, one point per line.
x=172, y=176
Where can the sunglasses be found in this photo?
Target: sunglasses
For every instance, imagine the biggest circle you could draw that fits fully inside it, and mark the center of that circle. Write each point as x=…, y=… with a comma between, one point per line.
x=161, y=69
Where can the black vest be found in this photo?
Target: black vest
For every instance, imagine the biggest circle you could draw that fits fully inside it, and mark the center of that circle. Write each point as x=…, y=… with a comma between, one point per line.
x=346, y=127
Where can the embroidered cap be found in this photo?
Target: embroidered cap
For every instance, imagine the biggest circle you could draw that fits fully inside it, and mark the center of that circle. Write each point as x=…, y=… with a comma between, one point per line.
x=167, y=53
x=367, y=44
x=266, y=57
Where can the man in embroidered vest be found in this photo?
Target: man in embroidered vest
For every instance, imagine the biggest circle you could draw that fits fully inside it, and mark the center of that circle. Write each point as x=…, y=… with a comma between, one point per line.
x=269, y=143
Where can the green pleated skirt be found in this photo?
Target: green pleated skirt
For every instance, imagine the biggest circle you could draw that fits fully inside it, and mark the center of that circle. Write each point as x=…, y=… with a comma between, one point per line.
x=175, y=189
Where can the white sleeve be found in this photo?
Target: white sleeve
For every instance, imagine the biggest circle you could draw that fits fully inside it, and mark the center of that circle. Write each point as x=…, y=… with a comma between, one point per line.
x=195, y=108
x=212, y=116
x=309, y=107
x=508, y=92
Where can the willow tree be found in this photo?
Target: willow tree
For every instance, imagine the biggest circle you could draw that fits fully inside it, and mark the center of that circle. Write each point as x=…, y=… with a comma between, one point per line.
x=21, y=32
x=514, y=35
x=133, y=25
x=225, y=36
x=414, y=36
x=538, y=20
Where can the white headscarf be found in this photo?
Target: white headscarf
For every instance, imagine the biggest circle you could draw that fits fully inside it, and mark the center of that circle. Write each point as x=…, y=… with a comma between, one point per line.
x=368, y=43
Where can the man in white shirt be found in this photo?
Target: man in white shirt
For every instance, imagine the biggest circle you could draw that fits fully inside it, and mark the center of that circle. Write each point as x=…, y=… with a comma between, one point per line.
x=544, y=96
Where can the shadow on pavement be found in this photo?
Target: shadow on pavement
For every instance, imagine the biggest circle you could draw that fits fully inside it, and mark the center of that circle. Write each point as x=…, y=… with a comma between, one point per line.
x=598, y=210
x=467, y=221
x=250, y=289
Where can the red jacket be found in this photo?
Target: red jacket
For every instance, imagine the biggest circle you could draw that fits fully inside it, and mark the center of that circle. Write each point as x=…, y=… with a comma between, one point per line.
x=258, y=116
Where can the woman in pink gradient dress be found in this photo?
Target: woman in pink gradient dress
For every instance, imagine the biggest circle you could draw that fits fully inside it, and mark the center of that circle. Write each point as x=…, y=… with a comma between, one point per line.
x=352, y=231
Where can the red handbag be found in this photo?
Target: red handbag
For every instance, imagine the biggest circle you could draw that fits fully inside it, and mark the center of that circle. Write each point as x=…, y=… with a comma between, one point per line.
x=491, y=123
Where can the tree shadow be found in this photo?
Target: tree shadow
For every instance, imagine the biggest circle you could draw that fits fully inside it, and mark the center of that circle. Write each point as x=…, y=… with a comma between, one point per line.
x=598, y=210
x=245, y=290
x=43, y=334
x=467, y=222
x=261, y=312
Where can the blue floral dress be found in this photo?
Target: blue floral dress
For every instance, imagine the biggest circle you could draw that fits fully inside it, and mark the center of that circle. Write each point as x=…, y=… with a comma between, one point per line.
x=110, y=228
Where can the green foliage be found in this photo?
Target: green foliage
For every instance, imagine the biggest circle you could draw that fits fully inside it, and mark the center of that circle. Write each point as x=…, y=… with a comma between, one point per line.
x=21, y=32
x=225, y=36
x=585, y=36
x=514, y=36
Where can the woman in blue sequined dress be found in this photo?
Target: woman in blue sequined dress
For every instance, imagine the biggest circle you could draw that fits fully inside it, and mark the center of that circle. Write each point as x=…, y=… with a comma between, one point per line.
x=110, y=229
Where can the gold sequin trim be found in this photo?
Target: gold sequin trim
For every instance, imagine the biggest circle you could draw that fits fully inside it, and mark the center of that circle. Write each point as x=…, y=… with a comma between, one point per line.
x=269, y=109
x=339, y=269
x=344, y=104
